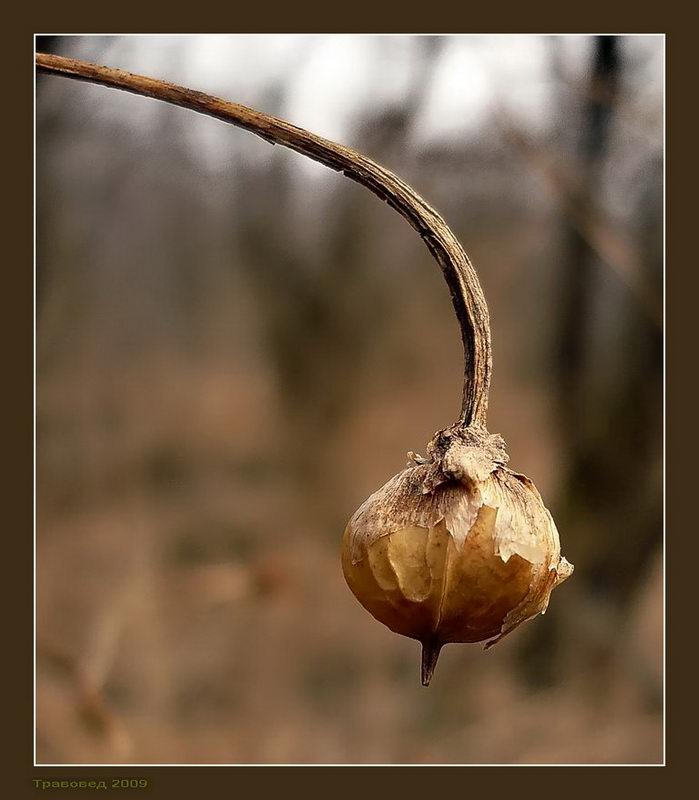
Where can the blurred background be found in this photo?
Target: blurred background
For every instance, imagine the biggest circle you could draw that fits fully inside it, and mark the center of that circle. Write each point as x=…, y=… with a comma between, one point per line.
x=235, y=346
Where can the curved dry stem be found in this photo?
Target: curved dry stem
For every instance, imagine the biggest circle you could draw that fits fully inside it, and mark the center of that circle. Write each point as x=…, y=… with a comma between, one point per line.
x=467, y=295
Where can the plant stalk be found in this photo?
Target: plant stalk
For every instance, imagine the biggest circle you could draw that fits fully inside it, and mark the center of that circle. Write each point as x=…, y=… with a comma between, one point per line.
x=462, y=280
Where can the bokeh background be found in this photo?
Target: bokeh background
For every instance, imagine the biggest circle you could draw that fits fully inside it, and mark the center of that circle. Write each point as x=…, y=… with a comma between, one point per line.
x=235, y=346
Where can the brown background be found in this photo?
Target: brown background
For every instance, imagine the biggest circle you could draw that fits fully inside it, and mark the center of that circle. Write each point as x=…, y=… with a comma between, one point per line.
x=233, y=350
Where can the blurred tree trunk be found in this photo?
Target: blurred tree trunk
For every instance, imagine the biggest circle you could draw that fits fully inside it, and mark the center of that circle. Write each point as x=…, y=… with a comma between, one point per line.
x=575, y=299
x=320, y=318
x=610, y=489
x=608, y=373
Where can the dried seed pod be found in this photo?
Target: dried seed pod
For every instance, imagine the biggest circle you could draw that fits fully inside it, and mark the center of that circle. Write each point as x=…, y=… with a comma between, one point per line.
x=455, y=548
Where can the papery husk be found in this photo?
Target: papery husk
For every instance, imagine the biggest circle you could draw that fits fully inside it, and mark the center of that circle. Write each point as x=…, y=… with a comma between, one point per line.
x=457, y=548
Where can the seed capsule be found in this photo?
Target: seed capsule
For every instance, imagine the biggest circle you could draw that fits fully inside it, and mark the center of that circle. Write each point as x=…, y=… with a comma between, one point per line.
x=455, y=548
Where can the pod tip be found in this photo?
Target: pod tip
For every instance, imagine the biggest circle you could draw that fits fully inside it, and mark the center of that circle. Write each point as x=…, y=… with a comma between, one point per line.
x=430, y=654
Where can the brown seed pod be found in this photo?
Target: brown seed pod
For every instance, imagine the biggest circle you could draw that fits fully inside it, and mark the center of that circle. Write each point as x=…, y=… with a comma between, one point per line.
x=455, y=548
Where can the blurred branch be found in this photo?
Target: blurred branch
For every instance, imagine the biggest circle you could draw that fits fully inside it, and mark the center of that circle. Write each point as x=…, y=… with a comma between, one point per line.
x=608, y=488
x=625, y=111
x=467, y=296
x=610, y=244
x=94, y=710
x=309, y=312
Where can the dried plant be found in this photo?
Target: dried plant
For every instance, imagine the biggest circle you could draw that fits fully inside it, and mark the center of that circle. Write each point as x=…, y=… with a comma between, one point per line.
x=457, y=547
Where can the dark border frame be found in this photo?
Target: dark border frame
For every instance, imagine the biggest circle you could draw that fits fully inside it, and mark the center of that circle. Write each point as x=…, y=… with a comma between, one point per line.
x=187, y=782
